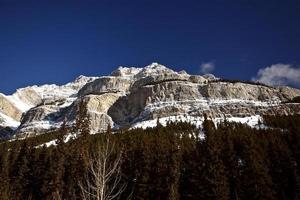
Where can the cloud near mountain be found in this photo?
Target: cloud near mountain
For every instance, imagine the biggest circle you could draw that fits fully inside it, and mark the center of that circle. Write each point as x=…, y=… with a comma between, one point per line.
x=279, y=74
x=207, y=67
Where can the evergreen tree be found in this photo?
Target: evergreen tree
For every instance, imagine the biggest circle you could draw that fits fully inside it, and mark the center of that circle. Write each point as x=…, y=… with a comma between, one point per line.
x=4, y=172
x=63, y=131
x=82, y=125
x=233, y=161
x=230, y=158
x=256, y=182
x=216, y=180
x=20, y=173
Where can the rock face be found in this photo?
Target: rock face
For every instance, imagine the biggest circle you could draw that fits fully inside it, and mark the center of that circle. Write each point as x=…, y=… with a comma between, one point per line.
x=9, y=109
x=133, y=95
x=110, y=84
x=34, y=107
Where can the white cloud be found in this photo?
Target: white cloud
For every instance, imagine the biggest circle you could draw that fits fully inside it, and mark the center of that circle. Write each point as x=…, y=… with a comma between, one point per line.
x=207, y=67
x=279, y=74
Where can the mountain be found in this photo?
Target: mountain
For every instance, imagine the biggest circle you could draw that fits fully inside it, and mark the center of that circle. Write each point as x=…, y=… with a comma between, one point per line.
x=136, y=97
x=14, y=108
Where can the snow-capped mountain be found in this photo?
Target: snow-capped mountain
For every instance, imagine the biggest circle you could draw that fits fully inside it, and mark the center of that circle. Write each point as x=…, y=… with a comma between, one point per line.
x=14, y=106
x=137, y=96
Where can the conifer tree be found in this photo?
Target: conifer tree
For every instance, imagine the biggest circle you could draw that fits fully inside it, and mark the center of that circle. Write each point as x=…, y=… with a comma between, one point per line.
x=230, y=158
x=255, y=165
x=20, y=173
x=216, y=180
x=39, y=171
x=63, y=131
x=53, y=182
x=82, y=125
x=4, y=172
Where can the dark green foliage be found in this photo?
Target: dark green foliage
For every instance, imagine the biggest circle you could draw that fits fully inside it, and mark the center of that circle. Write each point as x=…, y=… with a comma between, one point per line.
x=163, y=81
x=215, y=180
x=20, y=172
x=234, y=161
x=4, y=173
x=82, y=125
x=239, y=81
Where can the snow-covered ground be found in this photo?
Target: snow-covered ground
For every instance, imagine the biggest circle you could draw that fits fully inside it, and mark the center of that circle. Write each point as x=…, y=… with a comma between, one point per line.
x=206, y=103
x=67, y=138
x=252, y=121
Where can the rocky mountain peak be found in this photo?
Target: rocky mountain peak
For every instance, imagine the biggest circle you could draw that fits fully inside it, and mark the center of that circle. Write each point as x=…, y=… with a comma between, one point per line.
x=154, y=69
x=126, y=71
x=210, y=77
x=81, y=79
x=133, y=96
x=150, y=70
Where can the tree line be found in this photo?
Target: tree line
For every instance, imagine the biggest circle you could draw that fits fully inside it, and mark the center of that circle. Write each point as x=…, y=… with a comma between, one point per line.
x=233, y=161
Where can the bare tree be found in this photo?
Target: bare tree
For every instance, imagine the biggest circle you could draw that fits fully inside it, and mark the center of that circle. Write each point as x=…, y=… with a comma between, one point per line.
x=105, y=180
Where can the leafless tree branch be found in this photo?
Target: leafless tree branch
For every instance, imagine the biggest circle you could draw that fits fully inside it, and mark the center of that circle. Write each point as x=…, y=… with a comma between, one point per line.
x=105, y=179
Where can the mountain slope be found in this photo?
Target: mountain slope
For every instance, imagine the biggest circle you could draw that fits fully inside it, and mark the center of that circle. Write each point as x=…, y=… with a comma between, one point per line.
x=14, y=106
x=133, y=96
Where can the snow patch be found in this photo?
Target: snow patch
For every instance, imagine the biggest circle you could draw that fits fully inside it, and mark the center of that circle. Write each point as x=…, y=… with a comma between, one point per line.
x=19, y=103
x=251, y=121
x=8, y=121
x=67, y=138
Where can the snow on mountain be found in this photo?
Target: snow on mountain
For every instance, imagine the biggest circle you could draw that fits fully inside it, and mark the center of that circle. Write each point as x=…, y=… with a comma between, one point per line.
x=6, y=121
x=19, y=103
x=126, y=71
x=26, y=98
x=153, y=69
x=67, y=138
x=136, y=97
x=252, y=121
x=63, y=91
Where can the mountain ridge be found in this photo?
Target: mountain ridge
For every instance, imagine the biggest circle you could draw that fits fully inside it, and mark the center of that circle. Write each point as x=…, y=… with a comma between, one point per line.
x=131, y=95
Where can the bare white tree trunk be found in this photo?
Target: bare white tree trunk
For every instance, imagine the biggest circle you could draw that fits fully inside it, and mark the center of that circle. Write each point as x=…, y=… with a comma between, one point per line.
x=104, y=181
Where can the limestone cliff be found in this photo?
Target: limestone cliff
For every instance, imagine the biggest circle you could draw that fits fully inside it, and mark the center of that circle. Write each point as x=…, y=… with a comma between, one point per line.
x=132, y=95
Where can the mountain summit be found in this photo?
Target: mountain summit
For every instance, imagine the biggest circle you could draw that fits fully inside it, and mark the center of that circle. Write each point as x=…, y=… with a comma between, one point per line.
x=136, y=97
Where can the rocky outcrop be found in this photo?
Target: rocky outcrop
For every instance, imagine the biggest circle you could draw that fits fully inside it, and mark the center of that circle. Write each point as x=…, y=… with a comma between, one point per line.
x=132, y=95
x=195, y=97
x=288, y=93
x=40, y=118
x=126, y=72
x=109, y=84
x=9, y=109
x=101, y=103
x=225, y=90
x=39, y=113
x=97, y=108
x=29, y=96
x=99, y=122
x=198, y=79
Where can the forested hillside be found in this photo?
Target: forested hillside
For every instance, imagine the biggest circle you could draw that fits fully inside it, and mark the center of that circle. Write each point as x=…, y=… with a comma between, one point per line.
x=231, y=161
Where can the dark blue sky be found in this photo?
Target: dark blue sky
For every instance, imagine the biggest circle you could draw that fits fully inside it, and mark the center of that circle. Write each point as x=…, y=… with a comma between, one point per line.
x=55, y=41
